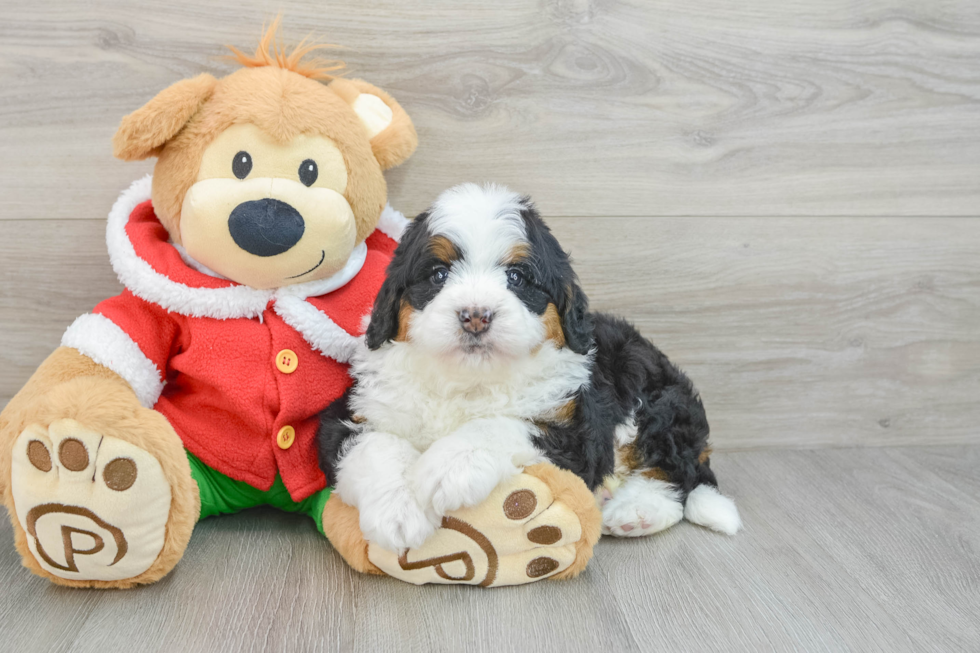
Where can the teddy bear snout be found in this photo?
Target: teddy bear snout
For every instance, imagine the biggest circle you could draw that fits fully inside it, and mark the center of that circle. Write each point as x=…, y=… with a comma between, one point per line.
x=266, y=227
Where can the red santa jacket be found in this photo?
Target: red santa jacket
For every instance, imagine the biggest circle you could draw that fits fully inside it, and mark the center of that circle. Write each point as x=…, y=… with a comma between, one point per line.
x=240, y=373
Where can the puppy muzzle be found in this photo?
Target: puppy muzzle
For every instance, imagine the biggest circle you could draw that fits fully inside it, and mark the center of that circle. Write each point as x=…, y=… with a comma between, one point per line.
x=475, y=319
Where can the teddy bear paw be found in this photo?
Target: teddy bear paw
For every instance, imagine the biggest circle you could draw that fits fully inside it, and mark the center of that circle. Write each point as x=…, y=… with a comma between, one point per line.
x=524, y=531
x=93, y=507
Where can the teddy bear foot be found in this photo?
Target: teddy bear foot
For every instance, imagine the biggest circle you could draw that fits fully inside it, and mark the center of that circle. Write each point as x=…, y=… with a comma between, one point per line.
x=93, y=508
x=539, y=524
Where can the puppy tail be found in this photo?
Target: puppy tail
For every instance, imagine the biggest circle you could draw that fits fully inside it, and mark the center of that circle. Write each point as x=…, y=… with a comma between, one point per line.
x=707, y=507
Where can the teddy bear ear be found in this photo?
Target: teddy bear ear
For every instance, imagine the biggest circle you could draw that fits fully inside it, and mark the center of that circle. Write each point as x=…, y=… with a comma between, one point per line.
x=144, y=132
x=390, y=130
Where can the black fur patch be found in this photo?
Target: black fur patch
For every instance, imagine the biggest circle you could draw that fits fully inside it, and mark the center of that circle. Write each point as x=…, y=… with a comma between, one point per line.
x=631, y=377
x=550, y=279
x=333, y=434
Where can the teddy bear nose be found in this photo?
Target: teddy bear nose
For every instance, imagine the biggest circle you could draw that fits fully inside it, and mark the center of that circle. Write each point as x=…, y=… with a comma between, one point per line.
x=265, y=227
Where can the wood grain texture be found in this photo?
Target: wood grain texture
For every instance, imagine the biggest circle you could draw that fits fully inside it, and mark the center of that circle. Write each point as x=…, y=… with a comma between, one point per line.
x=765, y=188
x=799, y=333
x=630, y=107
x=863, y=550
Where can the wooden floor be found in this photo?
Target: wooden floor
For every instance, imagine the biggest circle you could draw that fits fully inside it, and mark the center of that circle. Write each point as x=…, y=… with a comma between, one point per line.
x=783, y=194
x=845, y=549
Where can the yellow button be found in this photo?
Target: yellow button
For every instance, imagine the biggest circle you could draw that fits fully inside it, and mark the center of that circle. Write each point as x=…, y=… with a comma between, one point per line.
x=286, y=437
x=287, y=361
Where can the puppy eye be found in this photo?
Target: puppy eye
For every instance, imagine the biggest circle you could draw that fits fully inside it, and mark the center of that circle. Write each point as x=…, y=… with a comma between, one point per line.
x=308, y=172
x=241, y=165
x=515, y=277
x=439, y=275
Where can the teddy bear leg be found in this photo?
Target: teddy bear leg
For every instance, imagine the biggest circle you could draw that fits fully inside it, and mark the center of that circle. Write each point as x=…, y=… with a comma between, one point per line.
x=101, y=496
x=341, y=525
x=540, y=524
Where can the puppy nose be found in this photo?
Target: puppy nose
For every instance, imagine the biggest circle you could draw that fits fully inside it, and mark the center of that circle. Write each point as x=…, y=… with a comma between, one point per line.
x=265, y=227
x=475, y=319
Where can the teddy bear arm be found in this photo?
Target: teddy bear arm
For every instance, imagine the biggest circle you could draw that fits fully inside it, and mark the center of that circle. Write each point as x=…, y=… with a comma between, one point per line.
x=31, y=404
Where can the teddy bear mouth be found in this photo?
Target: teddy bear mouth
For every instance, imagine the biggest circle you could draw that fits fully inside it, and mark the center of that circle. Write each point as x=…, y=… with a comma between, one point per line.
x=323, y=255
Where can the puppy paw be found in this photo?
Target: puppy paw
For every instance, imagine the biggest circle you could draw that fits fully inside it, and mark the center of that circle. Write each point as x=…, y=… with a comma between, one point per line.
x=395, y=521
x=641, y=507
x=539, y=524
x=449, y=478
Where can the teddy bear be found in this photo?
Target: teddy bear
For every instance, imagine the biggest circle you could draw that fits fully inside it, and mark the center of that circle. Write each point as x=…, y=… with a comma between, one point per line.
x=250, y=259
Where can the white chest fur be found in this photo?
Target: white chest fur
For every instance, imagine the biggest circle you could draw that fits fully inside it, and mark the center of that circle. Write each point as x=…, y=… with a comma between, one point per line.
x=422, y=399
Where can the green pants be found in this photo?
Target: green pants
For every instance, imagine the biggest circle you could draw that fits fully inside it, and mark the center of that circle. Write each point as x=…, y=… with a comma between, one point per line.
x=221, y=495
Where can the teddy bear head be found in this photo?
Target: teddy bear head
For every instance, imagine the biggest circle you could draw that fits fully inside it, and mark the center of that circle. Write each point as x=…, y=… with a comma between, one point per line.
x=269, y=176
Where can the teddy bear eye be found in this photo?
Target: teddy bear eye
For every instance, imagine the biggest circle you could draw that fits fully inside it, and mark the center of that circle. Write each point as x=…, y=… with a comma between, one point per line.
x=308, y=172
x=241, y=165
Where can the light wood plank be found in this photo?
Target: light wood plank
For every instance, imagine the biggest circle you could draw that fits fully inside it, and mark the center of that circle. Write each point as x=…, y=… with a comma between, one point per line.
x=871, y=549
x=596, y=108
x=803, y=332
x=798, y=332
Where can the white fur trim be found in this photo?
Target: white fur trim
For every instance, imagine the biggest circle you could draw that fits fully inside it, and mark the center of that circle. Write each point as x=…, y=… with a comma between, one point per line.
x=100, y=339
x=221, y=303
x=148, y=284
x=707, y=507
x=317, y=329
x=393, y=223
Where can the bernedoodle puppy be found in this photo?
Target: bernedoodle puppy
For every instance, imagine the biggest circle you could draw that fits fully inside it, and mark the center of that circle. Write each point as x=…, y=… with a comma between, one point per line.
x=482, y=357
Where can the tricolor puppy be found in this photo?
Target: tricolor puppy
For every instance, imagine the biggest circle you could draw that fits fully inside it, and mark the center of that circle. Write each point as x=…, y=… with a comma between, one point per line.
x=482, y=357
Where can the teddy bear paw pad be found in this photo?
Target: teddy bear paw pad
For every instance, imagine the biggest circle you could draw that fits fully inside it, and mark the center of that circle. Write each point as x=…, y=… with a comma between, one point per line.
x=519, y=534
x=93, y=507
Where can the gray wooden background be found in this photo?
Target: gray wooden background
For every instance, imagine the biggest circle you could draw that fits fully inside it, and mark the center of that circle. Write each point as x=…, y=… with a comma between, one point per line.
x=783, y=194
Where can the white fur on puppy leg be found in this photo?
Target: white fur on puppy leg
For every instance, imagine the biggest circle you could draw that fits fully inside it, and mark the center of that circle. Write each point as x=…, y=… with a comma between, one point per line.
x=394, y=521
x=641, y=506
x=462, y=469
x=707, y=507
x=372, y=478
x=452, y=474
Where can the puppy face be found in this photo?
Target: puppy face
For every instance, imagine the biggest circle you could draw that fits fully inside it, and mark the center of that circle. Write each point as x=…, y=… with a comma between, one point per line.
x=479, y=277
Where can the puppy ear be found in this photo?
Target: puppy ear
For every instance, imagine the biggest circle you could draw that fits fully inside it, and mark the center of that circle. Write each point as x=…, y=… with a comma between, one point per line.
x=575, y=321
x=554, y=269
x=144, y=132
x=384, y=316
x=389, y=129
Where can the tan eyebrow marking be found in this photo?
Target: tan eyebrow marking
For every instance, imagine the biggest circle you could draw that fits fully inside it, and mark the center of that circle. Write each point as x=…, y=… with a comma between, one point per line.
x=518, y=253
x=444, y=249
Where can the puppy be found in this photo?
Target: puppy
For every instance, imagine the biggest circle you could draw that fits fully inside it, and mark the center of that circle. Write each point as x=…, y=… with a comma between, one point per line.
x=481, y=358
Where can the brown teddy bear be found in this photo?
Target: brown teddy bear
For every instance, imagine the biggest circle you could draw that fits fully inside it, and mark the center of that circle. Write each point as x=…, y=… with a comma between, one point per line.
x=249, y=261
